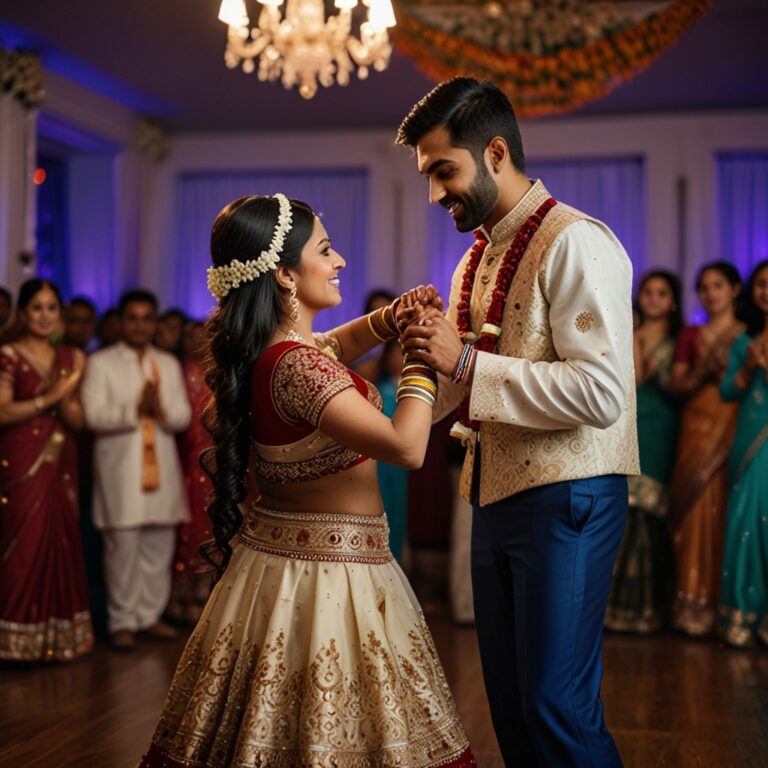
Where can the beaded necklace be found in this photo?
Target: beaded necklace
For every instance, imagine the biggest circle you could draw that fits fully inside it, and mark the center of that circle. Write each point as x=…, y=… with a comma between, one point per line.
x=465, y=428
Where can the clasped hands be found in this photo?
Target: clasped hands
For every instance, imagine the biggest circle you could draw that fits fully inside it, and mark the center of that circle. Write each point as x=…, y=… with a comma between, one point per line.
x=149, y=403
x=757, y=355
x=426, y=334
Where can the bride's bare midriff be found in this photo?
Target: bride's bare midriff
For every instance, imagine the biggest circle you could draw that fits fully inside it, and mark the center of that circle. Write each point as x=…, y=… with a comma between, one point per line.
x=352, y=491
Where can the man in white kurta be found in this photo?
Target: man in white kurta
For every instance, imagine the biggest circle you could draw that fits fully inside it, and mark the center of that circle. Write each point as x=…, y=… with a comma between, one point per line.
x=135, y=401
x=554, y=411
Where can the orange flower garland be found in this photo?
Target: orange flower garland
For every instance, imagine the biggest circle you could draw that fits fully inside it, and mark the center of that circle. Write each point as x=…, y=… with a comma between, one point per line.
x=555, y=83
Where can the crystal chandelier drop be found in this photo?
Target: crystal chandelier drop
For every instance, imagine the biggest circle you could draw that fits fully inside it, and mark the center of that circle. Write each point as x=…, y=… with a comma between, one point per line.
x=303, y=47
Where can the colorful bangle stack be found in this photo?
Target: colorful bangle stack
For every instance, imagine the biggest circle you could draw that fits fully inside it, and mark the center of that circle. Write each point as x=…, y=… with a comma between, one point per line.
x=465, y=364
x=418, y=381
x=383, y=323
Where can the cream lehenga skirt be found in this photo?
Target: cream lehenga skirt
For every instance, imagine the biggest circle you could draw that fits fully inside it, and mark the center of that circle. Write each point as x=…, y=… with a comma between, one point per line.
x=311, y=651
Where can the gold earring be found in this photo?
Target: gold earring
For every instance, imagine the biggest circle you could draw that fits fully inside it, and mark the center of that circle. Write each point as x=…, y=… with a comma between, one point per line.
x=293, y=303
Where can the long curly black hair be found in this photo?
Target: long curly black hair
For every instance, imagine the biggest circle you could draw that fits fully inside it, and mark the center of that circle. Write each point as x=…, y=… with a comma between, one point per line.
x=238, y=331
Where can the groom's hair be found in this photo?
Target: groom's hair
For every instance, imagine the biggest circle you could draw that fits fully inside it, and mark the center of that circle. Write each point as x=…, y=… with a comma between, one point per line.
x=472, y=112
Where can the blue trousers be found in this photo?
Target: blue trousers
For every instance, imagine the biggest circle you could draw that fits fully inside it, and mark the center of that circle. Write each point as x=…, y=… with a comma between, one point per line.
x=541, y=574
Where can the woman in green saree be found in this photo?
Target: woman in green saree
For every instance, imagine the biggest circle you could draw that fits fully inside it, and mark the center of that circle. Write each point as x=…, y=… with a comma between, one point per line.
x=744, y=603
x=642, y=576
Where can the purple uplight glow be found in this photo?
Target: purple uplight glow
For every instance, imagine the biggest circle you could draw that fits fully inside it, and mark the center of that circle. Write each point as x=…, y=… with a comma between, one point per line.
x=742, y=190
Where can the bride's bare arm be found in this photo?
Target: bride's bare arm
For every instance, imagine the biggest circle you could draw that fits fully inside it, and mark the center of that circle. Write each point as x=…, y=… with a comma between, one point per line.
x=352, y=421
x=355, y=338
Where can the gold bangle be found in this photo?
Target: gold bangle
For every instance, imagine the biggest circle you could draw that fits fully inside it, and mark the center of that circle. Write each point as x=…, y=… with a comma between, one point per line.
x=416, y=396
x=39, y=402
x=372, y=329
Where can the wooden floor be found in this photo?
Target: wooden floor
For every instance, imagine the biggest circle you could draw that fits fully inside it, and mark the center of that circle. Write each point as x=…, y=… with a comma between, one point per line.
x=669, y=702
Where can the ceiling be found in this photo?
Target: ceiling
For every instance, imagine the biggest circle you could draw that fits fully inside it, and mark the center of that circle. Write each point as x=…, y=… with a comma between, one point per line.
x=165, y=59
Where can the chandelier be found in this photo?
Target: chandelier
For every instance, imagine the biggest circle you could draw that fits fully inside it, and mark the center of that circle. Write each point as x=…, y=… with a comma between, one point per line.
x=305, y=48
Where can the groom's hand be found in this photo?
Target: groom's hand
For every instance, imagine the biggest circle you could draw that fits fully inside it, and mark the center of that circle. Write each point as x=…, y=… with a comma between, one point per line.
x=433, y=340
x=413, y=302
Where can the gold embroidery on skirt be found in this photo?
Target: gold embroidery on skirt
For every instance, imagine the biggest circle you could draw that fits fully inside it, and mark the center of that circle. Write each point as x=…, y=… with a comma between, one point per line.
x=244, y=709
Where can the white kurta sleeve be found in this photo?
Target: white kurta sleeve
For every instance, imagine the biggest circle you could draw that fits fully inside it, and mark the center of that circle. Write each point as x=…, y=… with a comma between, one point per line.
x=106, y=409
x=588, y=284
x=177, y=412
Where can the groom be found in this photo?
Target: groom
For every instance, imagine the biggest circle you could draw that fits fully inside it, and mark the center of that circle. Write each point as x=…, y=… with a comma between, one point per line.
x=546, y=401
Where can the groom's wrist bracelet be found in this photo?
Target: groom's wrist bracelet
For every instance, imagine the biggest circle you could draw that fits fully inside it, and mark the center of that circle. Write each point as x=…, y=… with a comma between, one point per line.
x=464, y=365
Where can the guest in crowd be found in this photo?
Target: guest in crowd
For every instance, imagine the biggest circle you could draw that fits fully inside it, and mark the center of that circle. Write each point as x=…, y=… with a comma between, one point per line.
x=108, y=328
x=43, y=594
x=170, y=332
x=700, y=478
x=393, y=481
x=744, y=604
x=642, y=576
x=80, y=333
x=368, y=367
x=135, y=400
x=6, y=309
x=79, y=323
x=191, y=587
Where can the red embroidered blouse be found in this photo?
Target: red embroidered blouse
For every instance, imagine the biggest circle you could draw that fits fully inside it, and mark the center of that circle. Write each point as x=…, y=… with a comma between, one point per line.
x=291, y=385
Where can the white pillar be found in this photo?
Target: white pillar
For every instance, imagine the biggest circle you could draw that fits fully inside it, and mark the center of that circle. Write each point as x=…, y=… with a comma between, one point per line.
x=18, y=202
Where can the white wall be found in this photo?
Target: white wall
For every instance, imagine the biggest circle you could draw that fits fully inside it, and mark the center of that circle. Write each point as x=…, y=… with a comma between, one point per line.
x=675, y=149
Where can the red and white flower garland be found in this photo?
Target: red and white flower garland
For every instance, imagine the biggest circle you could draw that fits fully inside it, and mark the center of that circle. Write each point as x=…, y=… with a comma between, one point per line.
x=465, y=428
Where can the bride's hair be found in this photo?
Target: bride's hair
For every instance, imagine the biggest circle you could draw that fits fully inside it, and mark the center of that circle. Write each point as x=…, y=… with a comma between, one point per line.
x=238, y=331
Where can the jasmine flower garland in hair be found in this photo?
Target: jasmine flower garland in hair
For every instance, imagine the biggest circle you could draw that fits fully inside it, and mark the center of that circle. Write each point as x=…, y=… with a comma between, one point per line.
x=221, y=280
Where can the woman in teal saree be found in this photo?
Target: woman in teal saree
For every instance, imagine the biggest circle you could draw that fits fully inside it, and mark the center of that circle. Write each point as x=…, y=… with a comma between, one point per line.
x=744, y=602
x=642, y=576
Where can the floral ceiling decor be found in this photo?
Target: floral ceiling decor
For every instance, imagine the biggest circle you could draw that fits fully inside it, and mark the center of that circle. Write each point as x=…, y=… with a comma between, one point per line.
x=550, y=56
x=21, y=74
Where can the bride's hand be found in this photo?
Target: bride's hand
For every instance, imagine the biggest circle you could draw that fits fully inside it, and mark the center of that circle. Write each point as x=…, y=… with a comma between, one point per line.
x=413, y=302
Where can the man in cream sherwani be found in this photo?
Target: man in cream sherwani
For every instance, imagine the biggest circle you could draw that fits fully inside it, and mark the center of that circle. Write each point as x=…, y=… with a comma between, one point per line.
x=135, y=400
x=554, y=410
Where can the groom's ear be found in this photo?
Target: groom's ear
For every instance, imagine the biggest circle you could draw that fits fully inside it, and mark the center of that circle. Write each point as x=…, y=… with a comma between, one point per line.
x=497, y=153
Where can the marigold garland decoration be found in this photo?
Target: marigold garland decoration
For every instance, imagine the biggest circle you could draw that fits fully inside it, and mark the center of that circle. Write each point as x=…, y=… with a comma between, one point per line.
x=21, y=74
x=558, y=80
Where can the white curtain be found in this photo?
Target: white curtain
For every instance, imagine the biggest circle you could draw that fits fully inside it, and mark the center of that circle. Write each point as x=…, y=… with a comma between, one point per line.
x=609, y=189
x=17, y=191
x=742, y=187
x=339, y=197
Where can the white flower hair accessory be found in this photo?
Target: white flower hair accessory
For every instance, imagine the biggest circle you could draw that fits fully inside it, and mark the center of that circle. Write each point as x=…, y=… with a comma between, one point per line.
x=221, y=280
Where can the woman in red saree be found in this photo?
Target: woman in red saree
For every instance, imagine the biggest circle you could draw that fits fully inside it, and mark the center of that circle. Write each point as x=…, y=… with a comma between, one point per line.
x=191, y=579
x=43, y=598
x=707, y=429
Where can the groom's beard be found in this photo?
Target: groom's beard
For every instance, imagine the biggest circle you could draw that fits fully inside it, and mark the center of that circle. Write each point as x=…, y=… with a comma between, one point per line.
x=477, y=204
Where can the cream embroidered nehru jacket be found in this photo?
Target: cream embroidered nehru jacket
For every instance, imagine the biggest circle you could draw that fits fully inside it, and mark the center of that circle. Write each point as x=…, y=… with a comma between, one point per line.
x=557, y=401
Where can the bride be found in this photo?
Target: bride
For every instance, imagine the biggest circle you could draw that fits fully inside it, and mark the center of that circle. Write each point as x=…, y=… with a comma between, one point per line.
x=312, y=649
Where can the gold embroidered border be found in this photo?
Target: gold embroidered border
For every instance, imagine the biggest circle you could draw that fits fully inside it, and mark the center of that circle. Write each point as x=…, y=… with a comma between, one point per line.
x=332, y=538
x=56, y=639
x=334, y=458
x=743, y=629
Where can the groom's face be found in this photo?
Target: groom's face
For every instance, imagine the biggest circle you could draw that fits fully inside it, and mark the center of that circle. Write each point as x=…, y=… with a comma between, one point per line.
x=464, y=187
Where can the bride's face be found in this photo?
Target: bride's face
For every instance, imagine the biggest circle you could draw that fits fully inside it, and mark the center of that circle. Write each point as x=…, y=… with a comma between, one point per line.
x=317, y=282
